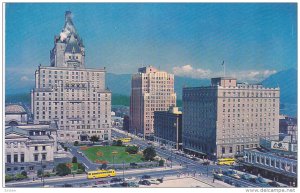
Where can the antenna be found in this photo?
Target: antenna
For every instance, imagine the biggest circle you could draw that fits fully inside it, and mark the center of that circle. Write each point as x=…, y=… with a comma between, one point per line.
x=223, y=64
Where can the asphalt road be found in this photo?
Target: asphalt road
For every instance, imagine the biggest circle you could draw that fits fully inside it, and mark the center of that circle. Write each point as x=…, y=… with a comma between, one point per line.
x=189, y=164
x=82, y=179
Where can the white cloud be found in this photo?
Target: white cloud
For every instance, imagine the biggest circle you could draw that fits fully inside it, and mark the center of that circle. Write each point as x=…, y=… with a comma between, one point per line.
x=253, y=75
x=24, y=78
x=245, y=75
x=189, y=71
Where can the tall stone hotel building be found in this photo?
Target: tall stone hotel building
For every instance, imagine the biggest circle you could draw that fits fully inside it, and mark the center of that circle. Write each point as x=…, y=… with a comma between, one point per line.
x=69, y=93
x=151, y=90
x=224, y=118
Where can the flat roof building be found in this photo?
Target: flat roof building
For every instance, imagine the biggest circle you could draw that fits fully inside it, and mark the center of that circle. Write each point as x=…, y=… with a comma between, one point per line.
x=222, y=119
x=168, y=127
x=151, y=90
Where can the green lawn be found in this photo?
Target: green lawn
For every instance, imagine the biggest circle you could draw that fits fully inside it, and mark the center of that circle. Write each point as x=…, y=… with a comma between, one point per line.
x=105, y=154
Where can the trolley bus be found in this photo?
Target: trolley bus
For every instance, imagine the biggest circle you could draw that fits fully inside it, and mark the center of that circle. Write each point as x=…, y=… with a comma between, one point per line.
x=101, y=174
x=125, y=140
x=226, y=161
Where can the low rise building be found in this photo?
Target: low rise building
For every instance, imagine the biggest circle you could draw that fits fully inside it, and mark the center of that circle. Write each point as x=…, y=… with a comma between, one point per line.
x=27, y=150
x=168, y=127
x=276, y=160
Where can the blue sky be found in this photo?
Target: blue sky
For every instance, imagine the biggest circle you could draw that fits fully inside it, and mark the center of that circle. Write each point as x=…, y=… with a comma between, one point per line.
x=255, y=40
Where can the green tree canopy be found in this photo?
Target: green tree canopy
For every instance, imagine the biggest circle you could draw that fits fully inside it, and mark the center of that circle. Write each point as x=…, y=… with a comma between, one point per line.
x=149, y=153
x=94, y=139
x=62, y=169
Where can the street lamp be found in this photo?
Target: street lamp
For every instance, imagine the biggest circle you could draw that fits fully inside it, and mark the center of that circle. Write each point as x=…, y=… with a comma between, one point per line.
x=114, y=153
x=123, y=173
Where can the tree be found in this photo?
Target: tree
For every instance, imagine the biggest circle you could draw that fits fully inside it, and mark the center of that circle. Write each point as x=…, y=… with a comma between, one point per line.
x=94, y=139
x=161, y=162
x=65, y=148
x=81, y=167
x=39, y=173
x=132, y=149
x=149, y=153
x=74, y=159
x=62, y=169
x=119, y=143
x=104, y=166
x=76, y=143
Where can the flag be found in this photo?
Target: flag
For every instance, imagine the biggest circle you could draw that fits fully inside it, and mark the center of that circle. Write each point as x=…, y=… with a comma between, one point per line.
x=223, y=63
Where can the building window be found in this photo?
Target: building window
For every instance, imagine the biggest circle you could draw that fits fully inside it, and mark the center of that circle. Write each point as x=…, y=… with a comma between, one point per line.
x=8, y=169
x=8, y=158
x=230, y=149
x=36, y=157
x=44, y=156
x=15, y=157
x=223, y=150
x=35, y=148
x=272, y=163
x=44, y=147
x=22, y=157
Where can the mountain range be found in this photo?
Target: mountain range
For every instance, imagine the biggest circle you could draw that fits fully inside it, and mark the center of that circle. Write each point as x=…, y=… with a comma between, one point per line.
x=120, y=85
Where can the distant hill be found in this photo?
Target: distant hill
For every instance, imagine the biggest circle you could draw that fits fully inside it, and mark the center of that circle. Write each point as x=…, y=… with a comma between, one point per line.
x=287, y=82
x=120, y=85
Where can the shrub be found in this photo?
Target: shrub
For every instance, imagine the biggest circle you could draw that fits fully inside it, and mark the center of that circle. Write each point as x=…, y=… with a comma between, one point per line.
x=24, y=173
x=76, y=143
x=47, y=174
x=62, y=169
x=81, y=167
x=8, y=178
x=66, y=148
x=74, y=159
x=20, y=177
x=132, y=149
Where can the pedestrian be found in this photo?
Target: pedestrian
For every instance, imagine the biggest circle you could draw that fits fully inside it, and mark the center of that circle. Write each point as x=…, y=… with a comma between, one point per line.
x=214, y=179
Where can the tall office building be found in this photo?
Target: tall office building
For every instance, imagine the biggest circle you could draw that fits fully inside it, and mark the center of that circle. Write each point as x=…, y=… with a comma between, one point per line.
x=151, y=90
x=69, y=93
x=224, y=118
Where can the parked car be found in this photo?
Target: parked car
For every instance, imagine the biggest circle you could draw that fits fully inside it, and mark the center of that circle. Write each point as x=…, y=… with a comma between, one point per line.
x=161, y=180
x=101, y=182
x=206, y=163
x=274, y=184
x=67, y=185
x=133, y=184
x=114, y=180
x=146, y=177
x=144, y=182
x=261, y=181
x=154, y=181
x=133, y=165
x=195, y=159
x=218, y=176
x=116, y=185
x=163, y=148
x=130, y=179
x=246, y=177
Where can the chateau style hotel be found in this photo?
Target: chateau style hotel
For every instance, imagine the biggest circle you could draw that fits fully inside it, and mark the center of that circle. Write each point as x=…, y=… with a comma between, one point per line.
x=74, y=96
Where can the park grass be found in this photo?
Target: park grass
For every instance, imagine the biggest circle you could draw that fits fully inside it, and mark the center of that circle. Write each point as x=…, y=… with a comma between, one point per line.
x=106, y=155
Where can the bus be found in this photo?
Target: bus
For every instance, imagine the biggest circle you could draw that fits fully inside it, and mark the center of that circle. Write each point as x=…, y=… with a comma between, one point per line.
x=226, y=161
x=125, y=140
x=101, y=174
